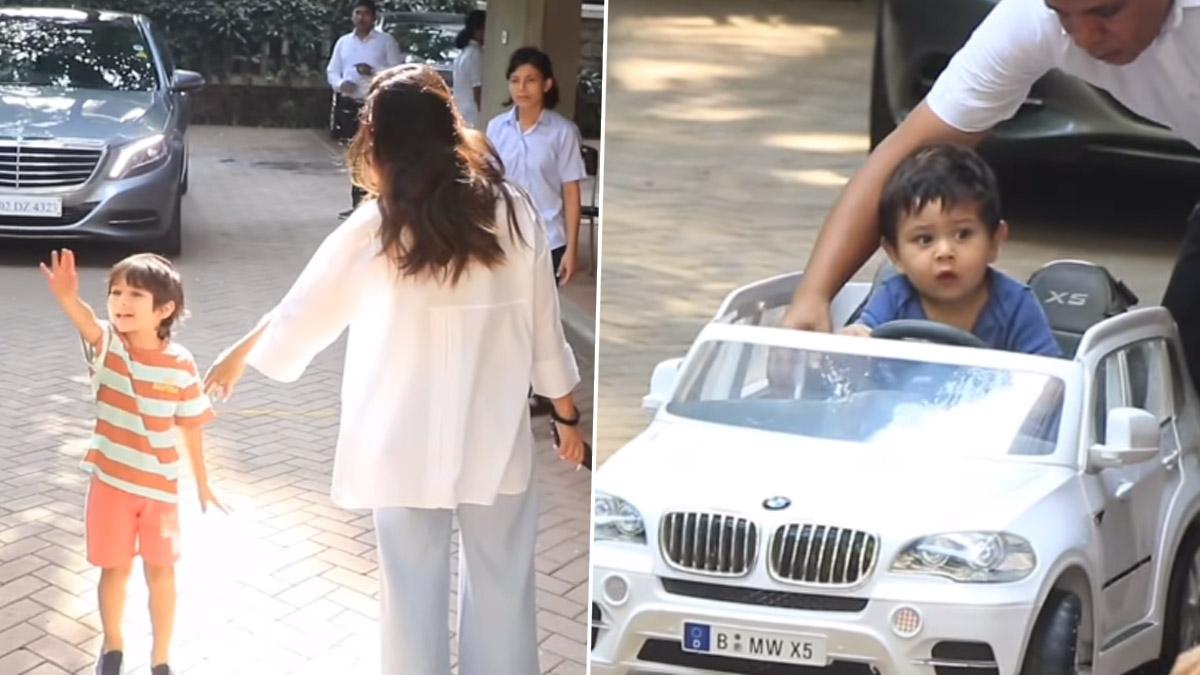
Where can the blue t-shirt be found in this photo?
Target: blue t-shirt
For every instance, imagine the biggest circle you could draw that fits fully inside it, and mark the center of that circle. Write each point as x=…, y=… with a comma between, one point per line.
x=1012, y=319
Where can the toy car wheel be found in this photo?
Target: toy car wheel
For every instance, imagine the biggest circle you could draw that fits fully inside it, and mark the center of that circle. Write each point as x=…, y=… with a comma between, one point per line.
x=1054, y=644
x=1181, y=626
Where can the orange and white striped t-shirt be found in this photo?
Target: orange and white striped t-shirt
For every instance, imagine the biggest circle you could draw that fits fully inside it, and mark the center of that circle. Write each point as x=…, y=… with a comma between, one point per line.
x=141, y=397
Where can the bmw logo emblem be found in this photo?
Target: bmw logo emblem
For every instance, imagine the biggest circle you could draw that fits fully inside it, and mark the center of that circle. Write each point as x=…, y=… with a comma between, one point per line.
x=776, y=503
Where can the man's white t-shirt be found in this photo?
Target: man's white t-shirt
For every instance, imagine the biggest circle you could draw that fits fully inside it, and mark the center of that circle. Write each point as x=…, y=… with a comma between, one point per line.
x=986, y=82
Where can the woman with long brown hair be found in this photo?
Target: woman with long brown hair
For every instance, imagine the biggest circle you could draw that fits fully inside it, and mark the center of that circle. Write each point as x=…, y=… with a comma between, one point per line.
x=444, y=280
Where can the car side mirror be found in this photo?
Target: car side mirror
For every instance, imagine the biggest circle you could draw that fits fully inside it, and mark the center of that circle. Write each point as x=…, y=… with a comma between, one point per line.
x=187, y=80
x=662, y=383
x=1131, y=437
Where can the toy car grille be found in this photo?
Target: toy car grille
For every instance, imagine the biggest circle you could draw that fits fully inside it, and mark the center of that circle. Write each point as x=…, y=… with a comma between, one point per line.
x=820, y=555
x=36, y=165
x=709, y=543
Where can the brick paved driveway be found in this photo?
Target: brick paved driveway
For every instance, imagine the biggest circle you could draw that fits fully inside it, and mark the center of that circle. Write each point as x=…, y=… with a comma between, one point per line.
x=287, y=583
x=730, y=130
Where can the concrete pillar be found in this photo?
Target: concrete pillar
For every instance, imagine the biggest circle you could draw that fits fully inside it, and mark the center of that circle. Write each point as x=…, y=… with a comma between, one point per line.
x=554, y=26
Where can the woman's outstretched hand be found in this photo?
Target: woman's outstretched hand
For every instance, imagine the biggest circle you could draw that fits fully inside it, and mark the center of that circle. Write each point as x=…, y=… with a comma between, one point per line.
x=224, y=374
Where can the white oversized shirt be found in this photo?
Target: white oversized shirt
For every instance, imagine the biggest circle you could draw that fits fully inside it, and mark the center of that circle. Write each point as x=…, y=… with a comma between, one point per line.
x=1020, y=40
x=468, y=74
x=541, y=159
x=434, y=390
x=378, y=50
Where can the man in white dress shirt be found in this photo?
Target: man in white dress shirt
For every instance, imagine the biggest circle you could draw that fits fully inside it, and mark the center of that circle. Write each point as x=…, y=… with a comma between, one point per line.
x=1145, y=53
x=356, y=58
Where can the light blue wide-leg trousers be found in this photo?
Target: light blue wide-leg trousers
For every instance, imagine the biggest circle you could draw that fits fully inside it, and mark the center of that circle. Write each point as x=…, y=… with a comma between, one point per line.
x=497, y=618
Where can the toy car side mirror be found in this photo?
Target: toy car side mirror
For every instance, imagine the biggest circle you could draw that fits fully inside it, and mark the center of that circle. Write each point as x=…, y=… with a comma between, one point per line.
x=662, y=383
x=1131, y=437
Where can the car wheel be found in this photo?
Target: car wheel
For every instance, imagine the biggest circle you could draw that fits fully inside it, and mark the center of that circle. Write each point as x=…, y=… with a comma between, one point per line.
x=171, y=243
x=882, y=121
x=1181, y=626
x=1054, y=644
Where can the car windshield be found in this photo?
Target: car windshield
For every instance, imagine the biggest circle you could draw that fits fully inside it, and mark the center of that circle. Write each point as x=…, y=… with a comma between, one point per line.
x=887, y=403
x=106, y=54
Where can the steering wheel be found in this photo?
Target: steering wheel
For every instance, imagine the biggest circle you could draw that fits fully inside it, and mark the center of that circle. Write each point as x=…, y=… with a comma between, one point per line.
x=930, y=331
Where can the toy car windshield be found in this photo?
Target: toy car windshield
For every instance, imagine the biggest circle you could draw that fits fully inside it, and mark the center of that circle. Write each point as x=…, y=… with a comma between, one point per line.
x=889, y=403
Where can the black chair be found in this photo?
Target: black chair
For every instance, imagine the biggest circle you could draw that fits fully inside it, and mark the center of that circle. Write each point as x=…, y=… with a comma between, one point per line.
x=591, y=165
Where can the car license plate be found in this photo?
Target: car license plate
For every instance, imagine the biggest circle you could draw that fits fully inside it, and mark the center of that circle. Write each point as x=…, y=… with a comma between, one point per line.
x=803, y=650
x=34, y=207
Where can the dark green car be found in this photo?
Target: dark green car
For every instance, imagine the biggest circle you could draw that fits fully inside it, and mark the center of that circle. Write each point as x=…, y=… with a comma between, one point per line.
x=1064, y=119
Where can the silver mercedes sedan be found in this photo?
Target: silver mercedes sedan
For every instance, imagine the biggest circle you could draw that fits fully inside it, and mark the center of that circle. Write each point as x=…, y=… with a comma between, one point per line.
x=93, y=123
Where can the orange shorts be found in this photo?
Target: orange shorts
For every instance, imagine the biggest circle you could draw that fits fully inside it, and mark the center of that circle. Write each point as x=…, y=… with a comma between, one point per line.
x=120, y=525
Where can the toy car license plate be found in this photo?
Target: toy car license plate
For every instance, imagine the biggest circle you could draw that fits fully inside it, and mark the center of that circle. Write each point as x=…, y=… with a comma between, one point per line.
x=34, y=207
x=804, y=650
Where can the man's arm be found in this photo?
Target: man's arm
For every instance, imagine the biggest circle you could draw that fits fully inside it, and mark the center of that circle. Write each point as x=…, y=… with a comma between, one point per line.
x=395, y=56
x=850, y=233
x=333, y=71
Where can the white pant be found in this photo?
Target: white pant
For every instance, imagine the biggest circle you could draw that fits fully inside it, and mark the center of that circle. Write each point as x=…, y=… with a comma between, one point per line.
x=497, y=619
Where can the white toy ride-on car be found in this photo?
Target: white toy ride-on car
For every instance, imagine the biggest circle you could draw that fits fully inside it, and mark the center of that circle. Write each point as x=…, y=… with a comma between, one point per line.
x=906, y=506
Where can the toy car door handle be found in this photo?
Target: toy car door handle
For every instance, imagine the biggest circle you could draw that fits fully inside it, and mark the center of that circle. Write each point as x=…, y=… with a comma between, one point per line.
x=1172, y=460
x=1123, y=489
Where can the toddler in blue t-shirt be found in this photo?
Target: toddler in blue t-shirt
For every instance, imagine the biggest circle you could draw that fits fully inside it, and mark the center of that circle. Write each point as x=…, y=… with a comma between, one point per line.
x=940, y=220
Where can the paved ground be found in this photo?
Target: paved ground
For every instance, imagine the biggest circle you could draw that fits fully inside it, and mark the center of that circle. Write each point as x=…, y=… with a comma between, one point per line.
x=287, y=583
x=729, y=133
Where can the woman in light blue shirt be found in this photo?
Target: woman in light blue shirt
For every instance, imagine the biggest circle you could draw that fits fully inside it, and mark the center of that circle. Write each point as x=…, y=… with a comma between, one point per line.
x=541, y=153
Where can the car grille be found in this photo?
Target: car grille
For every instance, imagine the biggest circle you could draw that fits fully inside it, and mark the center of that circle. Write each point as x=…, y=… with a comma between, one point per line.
x=32, y=164
x=709, y=543
x=764, y=598
x=820, y=555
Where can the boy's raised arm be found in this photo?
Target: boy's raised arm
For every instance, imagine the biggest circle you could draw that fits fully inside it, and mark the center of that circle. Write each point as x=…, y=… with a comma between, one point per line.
x=64, y=284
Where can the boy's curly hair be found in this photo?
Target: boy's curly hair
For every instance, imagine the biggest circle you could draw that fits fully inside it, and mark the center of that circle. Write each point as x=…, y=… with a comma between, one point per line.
x=156, y=275
x=949, y=174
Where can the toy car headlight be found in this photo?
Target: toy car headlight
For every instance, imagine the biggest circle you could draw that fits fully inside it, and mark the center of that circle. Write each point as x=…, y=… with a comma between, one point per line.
x=981, y=557
x=615, y=519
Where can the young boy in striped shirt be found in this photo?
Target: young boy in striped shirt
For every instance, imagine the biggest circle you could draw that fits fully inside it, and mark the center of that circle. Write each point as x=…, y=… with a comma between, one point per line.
x=146, y=386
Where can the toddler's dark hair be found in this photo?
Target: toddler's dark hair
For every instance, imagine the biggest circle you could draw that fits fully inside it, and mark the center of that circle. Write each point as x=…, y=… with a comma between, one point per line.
x=156, y=275
x=949, y=174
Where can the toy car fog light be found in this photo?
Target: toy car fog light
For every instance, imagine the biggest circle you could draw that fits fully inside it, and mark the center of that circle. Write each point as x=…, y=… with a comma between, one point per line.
x=906, y=621
x=615, y=519
x=616, y=589
x=982, y=557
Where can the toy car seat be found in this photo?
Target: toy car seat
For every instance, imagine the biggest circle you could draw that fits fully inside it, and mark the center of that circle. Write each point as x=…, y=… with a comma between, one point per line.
x=886, y=271
x=1077, y=295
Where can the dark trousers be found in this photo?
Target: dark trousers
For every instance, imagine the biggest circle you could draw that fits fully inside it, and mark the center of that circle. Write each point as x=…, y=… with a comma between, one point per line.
x=556, y=256
x=1182, y=296
x=345, y=126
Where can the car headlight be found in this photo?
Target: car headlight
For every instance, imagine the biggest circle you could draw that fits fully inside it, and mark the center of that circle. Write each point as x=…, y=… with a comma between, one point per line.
x=138, y=157
x=615, y=519
x=986, y=557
